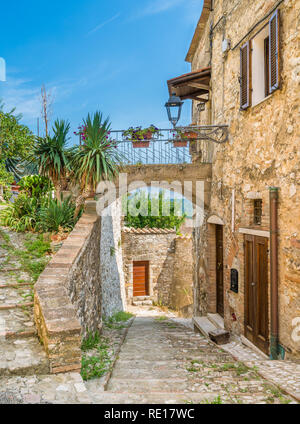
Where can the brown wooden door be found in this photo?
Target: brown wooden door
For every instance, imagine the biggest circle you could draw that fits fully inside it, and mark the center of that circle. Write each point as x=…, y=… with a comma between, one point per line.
x=256, y=291
x=219, y=270
x=140, y=278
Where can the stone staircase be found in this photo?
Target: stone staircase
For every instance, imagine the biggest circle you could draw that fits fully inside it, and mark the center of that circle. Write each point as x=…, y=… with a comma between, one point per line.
x=20, y=351
x=142, y=301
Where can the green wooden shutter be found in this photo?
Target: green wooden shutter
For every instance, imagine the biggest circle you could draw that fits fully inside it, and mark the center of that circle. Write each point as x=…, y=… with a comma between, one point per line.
x=274, y=52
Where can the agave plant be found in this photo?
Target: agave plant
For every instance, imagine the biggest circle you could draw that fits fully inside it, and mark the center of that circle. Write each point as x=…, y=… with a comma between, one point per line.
x=56, y=215
x=96, y=160
x=52, y=154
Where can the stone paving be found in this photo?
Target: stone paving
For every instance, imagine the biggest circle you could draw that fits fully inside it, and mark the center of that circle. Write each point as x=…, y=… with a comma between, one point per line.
x=162, y=360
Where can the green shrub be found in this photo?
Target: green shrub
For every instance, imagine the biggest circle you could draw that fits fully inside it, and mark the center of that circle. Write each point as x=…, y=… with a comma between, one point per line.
x=42, y=214
x=56, y=215
x=139, y=212
x=120, y=316
x=35, y=185
x=21, y=215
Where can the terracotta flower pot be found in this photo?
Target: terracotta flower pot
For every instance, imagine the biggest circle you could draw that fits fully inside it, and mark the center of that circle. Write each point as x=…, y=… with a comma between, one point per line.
x=140, y=144
x=180, y=143
x=148, y=135
x=191, y=135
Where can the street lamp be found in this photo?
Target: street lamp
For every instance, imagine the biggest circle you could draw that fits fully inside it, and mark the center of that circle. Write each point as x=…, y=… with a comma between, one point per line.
x=174, y=106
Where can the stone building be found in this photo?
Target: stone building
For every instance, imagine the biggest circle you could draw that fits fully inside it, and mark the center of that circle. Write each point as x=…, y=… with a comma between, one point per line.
x=158, y=266
x=245, y=69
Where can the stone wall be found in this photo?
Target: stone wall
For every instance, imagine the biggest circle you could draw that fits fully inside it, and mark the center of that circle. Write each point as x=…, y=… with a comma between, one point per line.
x=181, y=291
x=170, y=265
x=67, y=296
x=157, y=247
x=111, y=258
x=263, y=151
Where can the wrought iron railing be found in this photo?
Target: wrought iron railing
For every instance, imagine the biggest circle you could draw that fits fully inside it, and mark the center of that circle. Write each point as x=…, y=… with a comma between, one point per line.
x=165, y=149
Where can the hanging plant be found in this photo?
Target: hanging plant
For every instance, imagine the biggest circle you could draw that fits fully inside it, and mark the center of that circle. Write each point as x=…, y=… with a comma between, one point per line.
x=182, y=137
x=141, y=137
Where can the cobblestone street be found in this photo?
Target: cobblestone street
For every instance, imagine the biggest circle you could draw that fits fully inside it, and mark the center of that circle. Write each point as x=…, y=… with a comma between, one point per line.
x=162, y=360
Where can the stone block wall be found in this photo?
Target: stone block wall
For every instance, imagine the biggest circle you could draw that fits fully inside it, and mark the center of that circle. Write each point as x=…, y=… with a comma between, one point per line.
x=67, y=296
x=111, y=258
x=181, y=291
x=170, y=265
x=157, y=247
x=262, y=151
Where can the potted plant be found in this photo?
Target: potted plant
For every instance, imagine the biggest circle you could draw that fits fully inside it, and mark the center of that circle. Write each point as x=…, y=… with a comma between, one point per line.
x=141, y=137
x=182, y=136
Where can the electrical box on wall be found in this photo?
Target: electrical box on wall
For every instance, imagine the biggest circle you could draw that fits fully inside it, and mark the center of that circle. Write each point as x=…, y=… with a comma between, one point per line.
x=234, y=280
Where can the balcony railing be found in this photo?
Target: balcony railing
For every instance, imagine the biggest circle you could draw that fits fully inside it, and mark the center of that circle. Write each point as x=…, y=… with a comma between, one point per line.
x=164, y=149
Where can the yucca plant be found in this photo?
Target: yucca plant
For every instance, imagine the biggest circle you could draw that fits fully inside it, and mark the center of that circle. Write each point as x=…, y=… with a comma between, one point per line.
x=56, y=215
x=52, y=154
x=96, y=160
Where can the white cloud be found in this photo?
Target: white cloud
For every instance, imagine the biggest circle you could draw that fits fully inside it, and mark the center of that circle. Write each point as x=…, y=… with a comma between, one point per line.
x=25, y=97
x=16, y=93
x=98, y=27
x=157, y=6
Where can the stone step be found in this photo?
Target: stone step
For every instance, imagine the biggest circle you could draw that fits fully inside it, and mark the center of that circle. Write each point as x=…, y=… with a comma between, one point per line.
x=144, y=364
x=217, y=320
x=22, y=334
x=137, y=298
x=148, y=373
x=22, y=357
x=168, y=398
x=16, y=320
x=134, y=385
x=220, y=337
x=142, y=303
x=204, y=325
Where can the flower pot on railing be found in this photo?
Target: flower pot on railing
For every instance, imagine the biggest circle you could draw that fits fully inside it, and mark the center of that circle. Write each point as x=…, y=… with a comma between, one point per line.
x=180, y=143
x=191, y=135
x=140, y=144
x=141, y=137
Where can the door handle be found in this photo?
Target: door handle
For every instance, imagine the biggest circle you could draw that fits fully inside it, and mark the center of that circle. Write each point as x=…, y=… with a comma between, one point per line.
x=252, y=284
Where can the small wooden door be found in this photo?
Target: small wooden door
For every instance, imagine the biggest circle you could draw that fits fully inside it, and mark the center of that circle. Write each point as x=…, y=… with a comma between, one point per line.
x=140, y=278
x=219, y=270
x=256, y=291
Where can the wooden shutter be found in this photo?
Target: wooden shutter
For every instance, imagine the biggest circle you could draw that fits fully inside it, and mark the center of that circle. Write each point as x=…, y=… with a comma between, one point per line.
x=274, y=51
x=245, y=79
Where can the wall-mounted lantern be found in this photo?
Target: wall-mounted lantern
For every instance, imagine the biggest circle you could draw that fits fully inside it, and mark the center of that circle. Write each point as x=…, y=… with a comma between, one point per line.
x=174, y=107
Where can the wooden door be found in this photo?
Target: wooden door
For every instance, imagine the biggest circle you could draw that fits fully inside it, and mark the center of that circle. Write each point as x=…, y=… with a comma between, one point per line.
x=256, y=291
x=140, y=278
x=219, y=270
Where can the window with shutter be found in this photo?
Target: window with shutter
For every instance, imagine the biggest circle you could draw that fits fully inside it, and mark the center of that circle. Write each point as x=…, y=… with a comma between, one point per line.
x=245, y=76
x=274, y=51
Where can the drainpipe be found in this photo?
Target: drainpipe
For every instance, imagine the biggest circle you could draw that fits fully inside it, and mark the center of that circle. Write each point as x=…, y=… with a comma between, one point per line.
x=274, y=342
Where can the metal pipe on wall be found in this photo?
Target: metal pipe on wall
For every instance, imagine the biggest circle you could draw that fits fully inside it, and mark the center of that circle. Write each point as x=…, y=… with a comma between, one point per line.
x=274, y=342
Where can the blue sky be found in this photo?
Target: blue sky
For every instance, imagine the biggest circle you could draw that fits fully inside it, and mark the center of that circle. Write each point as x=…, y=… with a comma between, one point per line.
x=108, y=55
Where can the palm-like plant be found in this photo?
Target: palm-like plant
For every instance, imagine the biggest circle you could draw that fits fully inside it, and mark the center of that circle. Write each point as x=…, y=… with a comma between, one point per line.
x=96, y=160
x=51, y=154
